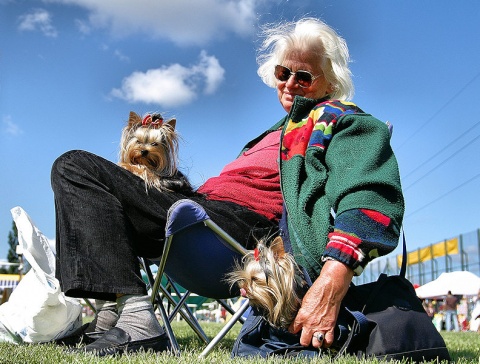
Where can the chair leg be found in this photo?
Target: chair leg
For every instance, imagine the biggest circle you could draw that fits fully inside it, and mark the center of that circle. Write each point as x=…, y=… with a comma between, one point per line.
x=163, y=314
x=180, y=306
x=168, y=330
x=226, y=328
x=161, y=265
x=230, y=310
x=90, y=304
x=186, y=315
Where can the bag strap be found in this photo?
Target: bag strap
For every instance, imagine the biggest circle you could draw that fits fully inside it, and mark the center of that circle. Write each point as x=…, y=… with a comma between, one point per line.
x=359, y=327
x=403, y=268
x=382, y=279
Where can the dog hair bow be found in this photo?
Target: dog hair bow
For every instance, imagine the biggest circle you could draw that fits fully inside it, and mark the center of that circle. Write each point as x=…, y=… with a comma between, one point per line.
x=154, y=121
x=260, y=257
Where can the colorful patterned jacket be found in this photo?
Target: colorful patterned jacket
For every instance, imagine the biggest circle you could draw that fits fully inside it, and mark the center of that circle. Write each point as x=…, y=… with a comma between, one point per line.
x=336, y=160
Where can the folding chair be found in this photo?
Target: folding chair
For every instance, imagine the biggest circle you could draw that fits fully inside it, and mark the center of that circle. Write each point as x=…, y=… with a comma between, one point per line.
x=196, y=251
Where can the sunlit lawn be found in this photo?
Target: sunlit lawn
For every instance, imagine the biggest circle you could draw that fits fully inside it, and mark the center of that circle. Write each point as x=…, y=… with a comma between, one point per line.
x=464, y=347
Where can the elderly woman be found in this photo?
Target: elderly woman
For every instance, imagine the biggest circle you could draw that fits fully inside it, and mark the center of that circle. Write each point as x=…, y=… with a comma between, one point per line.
x=333, y=158
x=325, y=157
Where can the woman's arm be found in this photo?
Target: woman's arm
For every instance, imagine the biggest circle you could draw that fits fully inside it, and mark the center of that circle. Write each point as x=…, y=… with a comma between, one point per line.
x=321, y=304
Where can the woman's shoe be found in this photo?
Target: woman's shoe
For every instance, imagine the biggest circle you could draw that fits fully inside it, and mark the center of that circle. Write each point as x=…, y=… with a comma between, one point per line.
x=116, y=342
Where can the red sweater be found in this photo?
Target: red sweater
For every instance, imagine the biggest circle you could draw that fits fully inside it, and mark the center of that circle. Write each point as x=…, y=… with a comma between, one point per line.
x=252, y=180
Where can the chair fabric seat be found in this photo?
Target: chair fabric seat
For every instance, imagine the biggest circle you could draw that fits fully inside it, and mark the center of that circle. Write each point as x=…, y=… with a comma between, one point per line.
x=198, y=259
x=183, y=214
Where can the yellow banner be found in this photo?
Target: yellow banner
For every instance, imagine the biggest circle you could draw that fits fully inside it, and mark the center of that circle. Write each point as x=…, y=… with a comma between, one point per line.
x=448, y=247
x=9, y=277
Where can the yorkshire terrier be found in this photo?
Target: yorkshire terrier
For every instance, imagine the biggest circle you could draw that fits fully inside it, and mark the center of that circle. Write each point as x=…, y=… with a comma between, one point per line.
x=149, y=149
x=272, y=281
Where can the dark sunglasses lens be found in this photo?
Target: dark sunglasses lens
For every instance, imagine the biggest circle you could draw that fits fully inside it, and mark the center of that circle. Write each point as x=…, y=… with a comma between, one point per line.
x=304, y=79
x=282, y=73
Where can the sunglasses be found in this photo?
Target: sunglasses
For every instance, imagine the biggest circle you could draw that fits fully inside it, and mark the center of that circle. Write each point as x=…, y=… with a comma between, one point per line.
x=303, y=78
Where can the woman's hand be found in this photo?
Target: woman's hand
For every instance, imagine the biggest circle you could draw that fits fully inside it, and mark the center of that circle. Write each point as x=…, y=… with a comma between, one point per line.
x=321, y=304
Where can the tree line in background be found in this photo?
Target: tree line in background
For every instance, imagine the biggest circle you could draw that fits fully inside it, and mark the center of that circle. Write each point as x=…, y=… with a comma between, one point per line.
x=12, y=255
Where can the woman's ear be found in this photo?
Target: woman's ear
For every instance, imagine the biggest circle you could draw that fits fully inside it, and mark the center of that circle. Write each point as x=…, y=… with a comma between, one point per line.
x=330, y=89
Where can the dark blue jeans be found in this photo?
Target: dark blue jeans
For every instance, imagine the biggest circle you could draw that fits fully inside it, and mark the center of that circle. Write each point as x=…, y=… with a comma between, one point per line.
x=105, y=219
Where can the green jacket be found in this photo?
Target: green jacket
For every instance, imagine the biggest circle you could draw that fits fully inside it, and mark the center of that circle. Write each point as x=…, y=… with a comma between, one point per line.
x=336, y=160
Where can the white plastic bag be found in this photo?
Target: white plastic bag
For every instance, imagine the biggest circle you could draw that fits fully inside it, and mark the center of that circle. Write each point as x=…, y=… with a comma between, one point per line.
x=37, y=310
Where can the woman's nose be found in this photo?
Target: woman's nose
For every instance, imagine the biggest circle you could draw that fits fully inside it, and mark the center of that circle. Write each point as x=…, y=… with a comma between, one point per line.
x=291, y=82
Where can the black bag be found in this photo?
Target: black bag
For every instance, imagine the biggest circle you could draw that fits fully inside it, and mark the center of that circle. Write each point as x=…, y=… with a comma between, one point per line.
x=383, y=319
x=258, y=338
x=389, y=322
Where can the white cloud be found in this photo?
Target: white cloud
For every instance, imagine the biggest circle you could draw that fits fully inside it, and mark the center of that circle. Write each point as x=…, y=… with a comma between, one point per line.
x=38, y=19
x=83, y=26
x=172, y=85
x=181, y=21
x=10, y=127
x=210, y=68
x=122, y=57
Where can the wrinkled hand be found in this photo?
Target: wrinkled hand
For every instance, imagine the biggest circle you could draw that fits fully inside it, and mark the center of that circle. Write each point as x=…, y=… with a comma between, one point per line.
x=321, y=304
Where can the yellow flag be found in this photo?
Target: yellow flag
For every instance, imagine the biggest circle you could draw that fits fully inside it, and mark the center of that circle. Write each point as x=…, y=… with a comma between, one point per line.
x=441, y=249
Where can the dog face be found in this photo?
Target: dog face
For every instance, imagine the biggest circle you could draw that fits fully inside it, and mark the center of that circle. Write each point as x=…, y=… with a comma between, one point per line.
x=152, y=143
x=272, y=281
x=149, y=149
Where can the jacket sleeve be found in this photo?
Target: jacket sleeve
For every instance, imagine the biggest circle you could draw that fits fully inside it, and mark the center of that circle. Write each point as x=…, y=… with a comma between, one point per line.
x=365, y=191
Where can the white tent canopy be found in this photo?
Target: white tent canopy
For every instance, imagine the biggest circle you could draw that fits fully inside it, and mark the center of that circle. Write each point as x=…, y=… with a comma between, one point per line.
x=461, y=283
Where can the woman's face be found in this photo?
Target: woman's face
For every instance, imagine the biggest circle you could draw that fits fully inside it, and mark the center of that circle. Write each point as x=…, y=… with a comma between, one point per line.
x=302, y=61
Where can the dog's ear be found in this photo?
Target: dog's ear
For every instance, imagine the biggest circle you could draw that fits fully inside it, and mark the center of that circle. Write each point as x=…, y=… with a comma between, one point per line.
x=277, y=247
x=171, y=122
x=134, y=119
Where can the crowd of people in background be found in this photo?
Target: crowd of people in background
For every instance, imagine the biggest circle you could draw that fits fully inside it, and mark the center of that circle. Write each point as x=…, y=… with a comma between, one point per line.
x=454, y=313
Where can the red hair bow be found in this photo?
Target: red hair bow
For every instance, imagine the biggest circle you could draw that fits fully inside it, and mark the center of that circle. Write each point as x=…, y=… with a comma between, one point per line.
x=155, y=121
x=256, y=254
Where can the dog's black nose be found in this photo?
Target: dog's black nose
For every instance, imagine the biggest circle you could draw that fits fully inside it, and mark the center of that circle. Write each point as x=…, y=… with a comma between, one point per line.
x=144, y=153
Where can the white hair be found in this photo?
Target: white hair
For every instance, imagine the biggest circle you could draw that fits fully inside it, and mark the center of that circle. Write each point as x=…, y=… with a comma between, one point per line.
x=311, y=35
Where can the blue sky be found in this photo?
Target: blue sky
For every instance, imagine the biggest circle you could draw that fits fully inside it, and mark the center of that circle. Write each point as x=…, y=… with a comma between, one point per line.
x=71, y=70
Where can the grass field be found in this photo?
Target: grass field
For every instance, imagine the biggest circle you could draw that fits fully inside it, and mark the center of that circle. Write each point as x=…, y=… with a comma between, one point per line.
x=464, y=348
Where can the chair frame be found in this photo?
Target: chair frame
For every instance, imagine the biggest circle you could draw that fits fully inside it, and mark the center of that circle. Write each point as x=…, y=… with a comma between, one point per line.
x=157, y=290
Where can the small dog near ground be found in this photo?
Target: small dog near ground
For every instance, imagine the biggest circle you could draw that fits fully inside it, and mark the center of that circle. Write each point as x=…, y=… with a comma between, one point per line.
x=272, y=281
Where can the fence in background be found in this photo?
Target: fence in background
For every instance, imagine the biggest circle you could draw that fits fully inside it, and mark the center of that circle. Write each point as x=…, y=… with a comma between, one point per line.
x=9, y=281
x=427, y=263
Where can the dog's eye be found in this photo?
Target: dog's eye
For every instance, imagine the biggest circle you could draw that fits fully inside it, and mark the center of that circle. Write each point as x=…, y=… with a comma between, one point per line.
x=154, y=144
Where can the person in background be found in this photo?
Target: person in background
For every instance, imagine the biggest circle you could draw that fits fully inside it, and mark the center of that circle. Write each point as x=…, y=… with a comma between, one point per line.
x=429, y=309
x=475, y=314
x=451, y=316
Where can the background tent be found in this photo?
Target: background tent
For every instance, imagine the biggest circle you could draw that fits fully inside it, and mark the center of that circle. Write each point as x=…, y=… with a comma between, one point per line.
x=461, y=283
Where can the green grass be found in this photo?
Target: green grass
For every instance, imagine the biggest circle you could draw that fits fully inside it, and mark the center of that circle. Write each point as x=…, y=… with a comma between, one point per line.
x=464, y=348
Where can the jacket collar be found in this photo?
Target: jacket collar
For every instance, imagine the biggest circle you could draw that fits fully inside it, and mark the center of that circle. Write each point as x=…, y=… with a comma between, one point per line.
x=302, y=106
